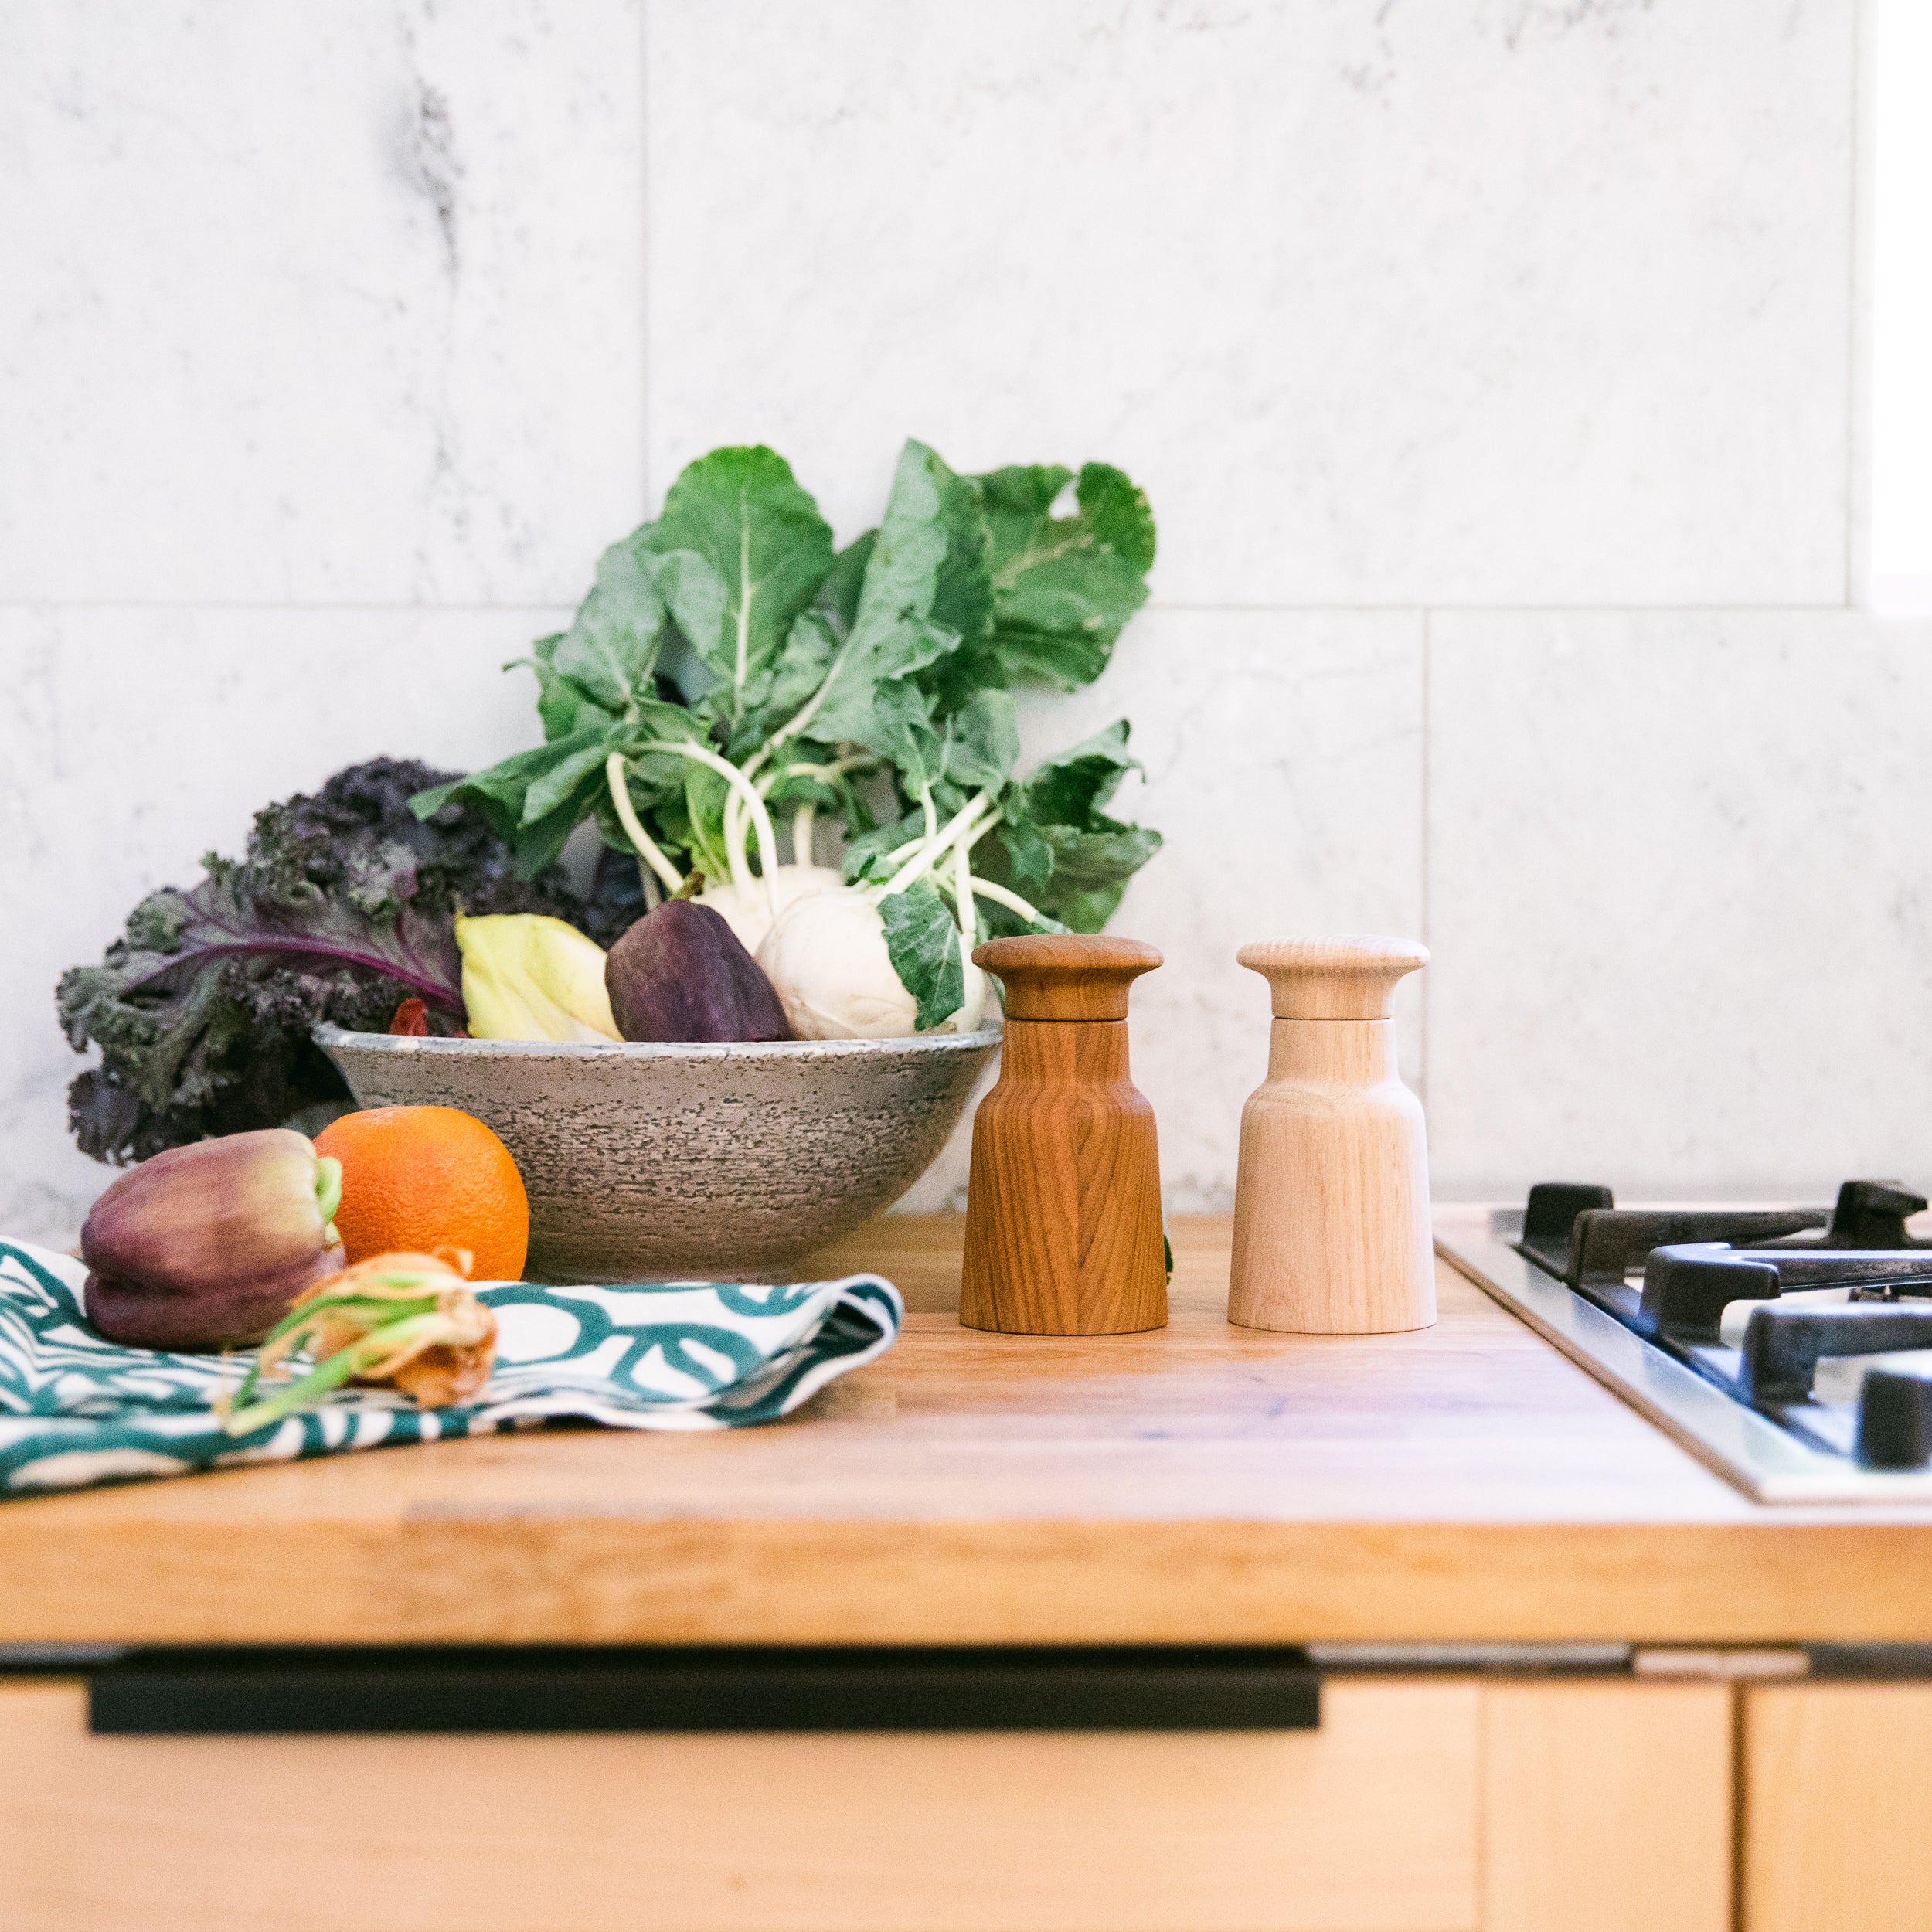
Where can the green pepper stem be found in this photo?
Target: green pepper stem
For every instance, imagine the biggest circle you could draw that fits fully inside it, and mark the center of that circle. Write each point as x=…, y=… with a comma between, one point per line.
x=328, y=1187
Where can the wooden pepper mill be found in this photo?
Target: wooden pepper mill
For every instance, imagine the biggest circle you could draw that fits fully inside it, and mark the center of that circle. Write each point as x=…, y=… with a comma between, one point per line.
x=1332, y=1200
x=1064, y=1211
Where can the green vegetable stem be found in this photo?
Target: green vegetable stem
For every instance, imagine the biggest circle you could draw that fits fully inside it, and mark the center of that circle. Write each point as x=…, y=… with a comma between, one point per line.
x=371, y=1323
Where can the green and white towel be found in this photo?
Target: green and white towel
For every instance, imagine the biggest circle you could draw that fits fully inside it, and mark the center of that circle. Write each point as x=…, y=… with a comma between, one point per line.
x=76, y=1409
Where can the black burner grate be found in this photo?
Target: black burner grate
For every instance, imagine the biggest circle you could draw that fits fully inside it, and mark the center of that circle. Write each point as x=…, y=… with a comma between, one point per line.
x=1671, y=1274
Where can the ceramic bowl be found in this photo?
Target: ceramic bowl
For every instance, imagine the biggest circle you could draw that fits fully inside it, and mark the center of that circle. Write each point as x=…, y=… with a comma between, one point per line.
x=718, y=1162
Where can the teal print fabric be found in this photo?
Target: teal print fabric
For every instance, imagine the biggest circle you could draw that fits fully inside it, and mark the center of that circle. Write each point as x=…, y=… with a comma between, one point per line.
x=76, y=1409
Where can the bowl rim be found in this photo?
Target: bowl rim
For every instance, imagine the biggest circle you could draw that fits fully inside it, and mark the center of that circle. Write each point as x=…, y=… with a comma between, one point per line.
x=328, y=1036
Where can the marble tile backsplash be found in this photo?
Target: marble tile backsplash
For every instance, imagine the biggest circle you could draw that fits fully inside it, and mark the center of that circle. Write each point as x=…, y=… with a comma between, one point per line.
x=1486, y=301
x=1679, y=899
x=319, y=304
x=1487, y=363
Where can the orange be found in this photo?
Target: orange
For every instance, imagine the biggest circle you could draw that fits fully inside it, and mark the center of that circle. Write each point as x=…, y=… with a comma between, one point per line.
x=423, y=1178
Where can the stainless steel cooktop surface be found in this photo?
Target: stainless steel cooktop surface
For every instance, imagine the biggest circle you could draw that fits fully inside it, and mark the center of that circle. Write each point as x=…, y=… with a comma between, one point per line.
x=1789, y=1347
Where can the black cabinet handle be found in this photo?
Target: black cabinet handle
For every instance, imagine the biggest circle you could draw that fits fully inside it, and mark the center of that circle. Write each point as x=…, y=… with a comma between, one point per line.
x=472, y=1689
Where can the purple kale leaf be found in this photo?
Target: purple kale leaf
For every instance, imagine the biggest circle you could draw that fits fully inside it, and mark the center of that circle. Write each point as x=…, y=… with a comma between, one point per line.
x=340, y=908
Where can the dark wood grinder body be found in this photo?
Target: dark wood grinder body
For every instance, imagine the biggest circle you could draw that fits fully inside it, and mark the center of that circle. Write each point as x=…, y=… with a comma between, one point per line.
x=1064, y=1212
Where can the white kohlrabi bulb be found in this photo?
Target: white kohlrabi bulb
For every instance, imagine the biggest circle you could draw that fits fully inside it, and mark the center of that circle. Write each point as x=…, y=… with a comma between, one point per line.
x=826, y=957
x=827, y=961
x=748, y=912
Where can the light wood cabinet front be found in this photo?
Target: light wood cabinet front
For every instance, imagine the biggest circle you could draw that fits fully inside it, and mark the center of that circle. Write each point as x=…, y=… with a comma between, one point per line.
x=1836, y=1831
x=1422, y=1804
x=1607, y=1808
x=1368, y=1824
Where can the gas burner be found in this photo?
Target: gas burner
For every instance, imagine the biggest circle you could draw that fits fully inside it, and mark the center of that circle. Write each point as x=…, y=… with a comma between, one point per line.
x=1812, y=1326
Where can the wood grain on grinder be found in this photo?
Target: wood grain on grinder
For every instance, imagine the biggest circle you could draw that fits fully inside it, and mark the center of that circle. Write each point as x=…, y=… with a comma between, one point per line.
x=1066, y=976
x=1063, y=1223
x=1331, y=1198
x=1338, y=976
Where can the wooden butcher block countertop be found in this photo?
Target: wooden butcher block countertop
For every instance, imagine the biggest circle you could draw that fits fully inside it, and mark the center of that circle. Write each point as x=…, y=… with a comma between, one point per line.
x=1200, y=1483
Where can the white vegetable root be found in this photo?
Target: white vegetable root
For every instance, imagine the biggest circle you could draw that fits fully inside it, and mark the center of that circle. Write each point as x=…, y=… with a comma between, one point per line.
x=826, y=957
x=748, y=913
x=821, y=943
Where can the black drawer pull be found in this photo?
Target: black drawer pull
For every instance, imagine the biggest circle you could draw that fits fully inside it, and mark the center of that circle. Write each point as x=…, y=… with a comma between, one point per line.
x=475, y=1689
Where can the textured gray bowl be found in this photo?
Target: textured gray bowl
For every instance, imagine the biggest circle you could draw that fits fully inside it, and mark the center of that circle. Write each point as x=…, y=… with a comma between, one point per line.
x=726, y=1162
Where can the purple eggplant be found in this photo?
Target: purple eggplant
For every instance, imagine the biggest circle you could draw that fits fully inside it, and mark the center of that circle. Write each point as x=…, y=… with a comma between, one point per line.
x=679, y=973
x=205, y=1247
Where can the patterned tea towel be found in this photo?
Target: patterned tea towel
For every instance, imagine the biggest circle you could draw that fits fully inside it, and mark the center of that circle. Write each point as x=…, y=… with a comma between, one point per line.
x=76, y=1409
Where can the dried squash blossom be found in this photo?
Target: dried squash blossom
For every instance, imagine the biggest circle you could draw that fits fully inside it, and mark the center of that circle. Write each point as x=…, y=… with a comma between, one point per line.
x=410, y=1320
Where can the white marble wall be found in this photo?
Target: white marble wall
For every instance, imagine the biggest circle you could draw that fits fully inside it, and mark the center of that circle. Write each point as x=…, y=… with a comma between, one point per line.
x=1490, y=364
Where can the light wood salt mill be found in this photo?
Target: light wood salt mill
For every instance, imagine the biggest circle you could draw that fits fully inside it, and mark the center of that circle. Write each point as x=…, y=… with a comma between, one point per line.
x=1332, y=1201
x=1063, y=1208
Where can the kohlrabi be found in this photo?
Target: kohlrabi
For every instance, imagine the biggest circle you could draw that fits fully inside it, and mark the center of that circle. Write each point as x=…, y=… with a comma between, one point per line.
x=827, y=960
x=747, y=910
x=746, y=906
x=844, y=962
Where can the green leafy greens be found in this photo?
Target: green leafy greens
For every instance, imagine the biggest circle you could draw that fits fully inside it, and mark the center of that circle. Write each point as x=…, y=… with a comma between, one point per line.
x=1064, y=585
x=738, y=553
x=728, y=660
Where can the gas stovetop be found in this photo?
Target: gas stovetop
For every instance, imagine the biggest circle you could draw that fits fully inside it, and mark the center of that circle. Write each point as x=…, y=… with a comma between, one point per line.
x=1790, y=1347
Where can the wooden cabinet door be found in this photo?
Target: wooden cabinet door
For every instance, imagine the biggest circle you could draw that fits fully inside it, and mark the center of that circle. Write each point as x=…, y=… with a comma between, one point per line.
x=1607, y=1808
x=1836, y=1782
x=1368, y=1824
x=1426, y=1804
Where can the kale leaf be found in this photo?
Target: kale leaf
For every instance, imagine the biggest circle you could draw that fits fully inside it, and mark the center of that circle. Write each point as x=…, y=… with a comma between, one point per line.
x=925, y=590
x=340, y=908
x=738, y=552
x=612, y=644
x=1063, y=586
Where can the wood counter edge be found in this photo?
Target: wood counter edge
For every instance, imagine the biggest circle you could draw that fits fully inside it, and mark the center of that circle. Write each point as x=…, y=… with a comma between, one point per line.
x=508, y=1578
